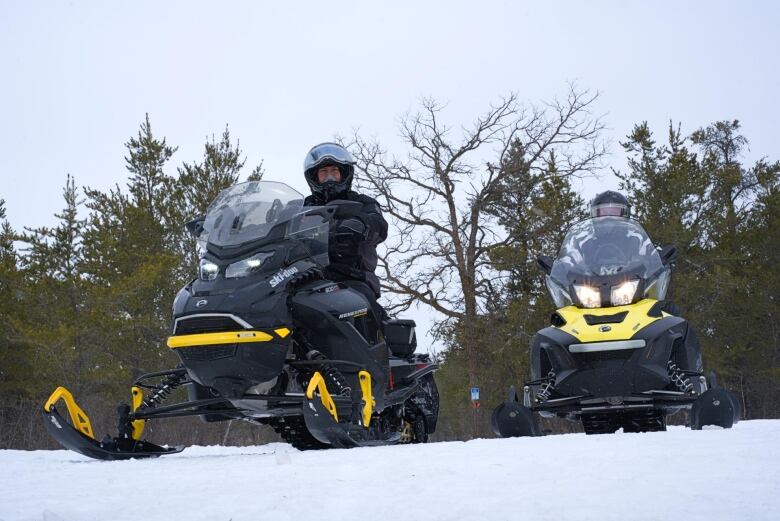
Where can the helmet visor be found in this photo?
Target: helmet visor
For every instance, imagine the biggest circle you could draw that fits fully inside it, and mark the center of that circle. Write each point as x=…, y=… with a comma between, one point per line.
x=609, y=210
x=327, y=152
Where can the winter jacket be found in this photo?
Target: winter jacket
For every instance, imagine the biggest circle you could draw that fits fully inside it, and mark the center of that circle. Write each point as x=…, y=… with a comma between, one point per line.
x=356, y=259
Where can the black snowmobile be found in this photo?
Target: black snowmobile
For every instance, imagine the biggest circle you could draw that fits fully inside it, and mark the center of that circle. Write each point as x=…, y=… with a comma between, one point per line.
x=616, y=355
x=264, y=336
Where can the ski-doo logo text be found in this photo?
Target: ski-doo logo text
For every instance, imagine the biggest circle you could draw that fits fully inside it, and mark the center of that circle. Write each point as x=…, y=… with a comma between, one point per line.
x=281, y=276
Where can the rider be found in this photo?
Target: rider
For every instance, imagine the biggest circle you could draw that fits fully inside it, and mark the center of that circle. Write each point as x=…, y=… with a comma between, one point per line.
x=615, y=204
x=329, y=169
x=610, y=203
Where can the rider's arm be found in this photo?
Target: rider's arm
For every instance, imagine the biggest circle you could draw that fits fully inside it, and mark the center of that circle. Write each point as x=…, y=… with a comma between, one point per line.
x=376, y=226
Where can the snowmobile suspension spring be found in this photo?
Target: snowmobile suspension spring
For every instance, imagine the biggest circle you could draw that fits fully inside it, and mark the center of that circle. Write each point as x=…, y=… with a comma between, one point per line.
x=678, y=378
x=331, y=374
x=167, y=386
x=546, y=389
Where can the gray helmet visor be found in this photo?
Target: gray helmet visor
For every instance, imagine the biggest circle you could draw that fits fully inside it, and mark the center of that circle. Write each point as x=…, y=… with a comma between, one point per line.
x=609, y=210
x=327, y=152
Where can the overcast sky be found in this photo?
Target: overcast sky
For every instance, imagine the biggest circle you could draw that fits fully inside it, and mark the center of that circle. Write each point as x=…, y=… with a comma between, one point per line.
x=76, y=78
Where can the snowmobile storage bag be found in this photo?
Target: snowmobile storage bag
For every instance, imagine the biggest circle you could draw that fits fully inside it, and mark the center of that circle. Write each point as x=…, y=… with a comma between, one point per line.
x=400, y=337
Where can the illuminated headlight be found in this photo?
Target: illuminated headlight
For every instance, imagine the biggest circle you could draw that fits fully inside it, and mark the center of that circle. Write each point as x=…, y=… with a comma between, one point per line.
x=208, y=270
x=624, y=293
x=589, y=297
x=246, y=266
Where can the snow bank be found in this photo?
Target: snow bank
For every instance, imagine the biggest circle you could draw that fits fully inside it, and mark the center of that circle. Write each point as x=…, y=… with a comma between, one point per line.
x=679, y=474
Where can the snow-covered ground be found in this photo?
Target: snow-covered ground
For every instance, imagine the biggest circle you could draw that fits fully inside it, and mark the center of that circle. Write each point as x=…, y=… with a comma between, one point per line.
x=679, y=474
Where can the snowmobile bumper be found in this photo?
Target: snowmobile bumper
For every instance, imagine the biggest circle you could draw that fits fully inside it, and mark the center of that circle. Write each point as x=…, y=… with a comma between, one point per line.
x=78, y=435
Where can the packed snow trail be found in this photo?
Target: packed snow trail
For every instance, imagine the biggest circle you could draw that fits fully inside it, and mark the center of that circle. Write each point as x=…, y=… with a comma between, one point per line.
x=680, y=474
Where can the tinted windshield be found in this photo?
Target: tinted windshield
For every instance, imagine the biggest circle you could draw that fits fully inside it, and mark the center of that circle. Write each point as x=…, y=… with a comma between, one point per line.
x=605, y=246
x=247, y=212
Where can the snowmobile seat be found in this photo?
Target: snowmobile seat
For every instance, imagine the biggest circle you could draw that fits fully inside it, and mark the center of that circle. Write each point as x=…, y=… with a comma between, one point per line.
x=400, y=337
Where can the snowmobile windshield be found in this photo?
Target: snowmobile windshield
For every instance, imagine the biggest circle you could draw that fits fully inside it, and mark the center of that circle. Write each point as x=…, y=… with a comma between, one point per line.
x=310, y=227
x=604, y=246
x=607, y=261
x=248, y=211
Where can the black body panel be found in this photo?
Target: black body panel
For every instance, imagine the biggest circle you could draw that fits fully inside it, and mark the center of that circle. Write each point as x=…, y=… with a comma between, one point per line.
x=615, y=373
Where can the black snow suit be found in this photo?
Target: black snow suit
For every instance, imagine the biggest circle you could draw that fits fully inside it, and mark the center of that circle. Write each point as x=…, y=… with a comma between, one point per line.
x=355, y=259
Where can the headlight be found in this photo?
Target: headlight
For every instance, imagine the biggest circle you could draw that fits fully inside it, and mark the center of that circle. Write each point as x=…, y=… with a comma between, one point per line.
x=208, y=270
x=624, y=293
x=588, y=296
x=246, y=266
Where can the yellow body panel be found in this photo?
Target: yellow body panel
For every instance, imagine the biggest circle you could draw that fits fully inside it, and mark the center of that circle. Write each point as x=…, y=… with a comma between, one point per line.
x=368, y=396
x=317, y=383
x=282, y=332
x=636, y=320
x=207, y=339
x=78, y=417
x=138, y=399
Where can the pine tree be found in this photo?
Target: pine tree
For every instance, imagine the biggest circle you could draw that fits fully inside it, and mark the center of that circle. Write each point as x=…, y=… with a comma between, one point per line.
x=200, y=183
x=220, y=168
x=696, y=193
x=54, y=326
x=16, y=362
x=132, y=258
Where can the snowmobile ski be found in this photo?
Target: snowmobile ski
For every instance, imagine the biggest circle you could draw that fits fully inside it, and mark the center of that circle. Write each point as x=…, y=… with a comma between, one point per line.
x=79, y=437
x=512, y=419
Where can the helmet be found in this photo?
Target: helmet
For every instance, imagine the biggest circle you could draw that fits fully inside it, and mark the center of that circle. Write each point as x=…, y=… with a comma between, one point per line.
x=328, y=154
x=610, y=203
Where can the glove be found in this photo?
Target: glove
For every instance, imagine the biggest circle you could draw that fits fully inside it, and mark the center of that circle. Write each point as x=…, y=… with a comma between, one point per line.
x=353, y=226
x=345, y=241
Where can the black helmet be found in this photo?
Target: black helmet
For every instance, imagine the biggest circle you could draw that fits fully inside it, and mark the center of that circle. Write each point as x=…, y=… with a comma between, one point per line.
x=610, y=203
x=328, y=154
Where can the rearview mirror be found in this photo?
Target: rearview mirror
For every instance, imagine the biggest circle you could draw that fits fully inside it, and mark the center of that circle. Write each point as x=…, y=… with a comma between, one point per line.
x=668, y=254
x=195, y=226
x=545, y=263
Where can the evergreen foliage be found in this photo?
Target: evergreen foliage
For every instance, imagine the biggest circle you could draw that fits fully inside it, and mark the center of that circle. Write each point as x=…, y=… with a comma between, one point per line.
x=696, y=193
x=86, y=303
x=15, y=361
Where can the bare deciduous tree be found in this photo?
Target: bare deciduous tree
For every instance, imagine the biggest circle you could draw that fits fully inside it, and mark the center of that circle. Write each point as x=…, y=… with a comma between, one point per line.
x=439, y=251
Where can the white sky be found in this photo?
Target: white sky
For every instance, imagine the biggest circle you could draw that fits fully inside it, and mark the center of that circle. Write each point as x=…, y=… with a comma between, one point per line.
x=77, y=77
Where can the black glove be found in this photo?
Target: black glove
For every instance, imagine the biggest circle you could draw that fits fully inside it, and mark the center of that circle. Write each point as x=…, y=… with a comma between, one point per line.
x=345, y=241
x=353, y=227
